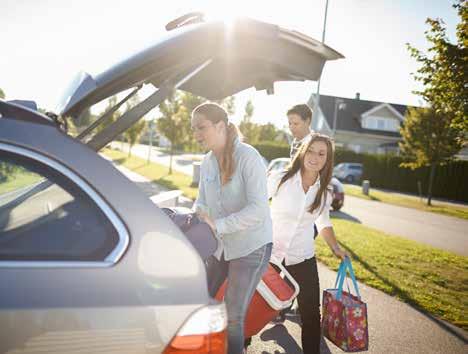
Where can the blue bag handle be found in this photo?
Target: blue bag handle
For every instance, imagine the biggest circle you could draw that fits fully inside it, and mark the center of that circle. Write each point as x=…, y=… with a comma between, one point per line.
x=340, y=273
x=346, y=266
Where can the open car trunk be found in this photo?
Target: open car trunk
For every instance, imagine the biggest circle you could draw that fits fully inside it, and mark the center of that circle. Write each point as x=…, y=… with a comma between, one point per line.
x=209, y=59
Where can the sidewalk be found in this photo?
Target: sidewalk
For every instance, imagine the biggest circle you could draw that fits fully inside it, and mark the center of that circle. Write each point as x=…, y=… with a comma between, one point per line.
x=394, y=327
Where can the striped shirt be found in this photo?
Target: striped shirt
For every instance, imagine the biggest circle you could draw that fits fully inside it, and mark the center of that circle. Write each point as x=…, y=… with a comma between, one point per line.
x=296, y=144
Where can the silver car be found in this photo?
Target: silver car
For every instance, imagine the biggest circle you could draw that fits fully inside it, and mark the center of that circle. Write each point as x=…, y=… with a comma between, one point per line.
x=350, y=172
x=88, y=263
x=281, y=163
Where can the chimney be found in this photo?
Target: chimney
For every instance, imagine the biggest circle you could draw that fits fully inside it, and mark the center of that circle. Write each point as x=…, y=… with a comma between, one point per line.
x=358, y=95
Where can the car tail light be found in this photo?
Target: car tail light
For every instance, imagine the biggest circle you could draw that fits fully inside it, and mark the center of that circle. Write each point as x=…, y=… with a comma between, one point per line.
x=204, y=332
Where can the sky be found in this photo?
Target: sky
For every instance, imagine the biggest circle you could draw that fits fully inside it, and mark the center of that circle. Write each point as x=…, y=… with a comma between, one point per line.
x=46, y=42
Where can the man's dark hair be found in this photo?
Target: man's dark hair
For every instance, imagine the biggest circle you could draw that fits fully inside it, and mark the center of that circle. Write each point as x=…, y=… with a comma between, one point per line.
x=302, y=110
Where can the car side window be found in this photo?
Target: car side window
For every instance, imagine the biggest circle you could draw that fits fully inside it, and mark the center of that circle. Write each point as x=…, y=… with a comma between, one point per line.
x=44, y=216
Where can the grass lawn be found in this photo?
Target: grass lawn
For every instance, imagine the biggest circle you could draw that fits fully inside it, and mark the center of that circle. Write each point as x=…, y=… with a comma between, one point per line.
x=157, y=173
x=20, y=180
x=408, y=201
x=432, y=280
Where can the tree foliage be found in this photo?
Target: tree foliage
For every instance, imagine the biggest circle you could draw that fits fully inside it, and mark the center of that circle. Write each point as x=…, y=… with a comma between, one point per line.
x=171, y=123
x=267, y=132
x=2, y=94
x=443, y=71
x=132, y=134
x=429, y=139
x=249, y=129
x=112, y=118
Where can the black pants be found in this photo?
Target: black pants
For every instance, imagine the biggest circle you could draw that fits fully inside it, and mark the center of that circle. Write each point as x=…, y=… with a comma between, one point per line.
x=306, y=275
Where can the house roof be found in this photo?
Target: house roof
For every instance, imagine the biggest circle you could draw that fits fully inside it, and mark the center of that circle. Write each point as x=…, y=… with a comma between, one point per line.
x=350, y=118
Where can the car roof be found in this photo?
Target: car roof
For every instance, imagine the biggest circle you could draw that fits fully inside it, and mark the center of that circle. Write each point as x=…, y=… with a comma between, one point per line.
x=241, y=54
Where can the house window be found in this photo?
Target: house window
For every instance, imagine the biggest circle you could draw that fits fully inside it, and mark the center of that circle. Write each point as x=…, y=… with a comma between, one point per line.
x=380, y=123
x=355, y=147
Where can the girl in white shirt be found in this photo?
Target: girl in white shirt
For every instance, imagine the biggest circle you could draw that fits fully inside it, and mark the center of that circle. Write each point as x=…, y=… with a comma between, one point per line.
x=301, y=196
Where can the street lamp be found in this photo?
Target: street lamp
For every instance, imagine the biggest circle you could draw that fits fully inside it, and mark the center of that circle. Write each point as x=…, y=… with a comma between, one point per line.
x=339, y=105
x=317, y=96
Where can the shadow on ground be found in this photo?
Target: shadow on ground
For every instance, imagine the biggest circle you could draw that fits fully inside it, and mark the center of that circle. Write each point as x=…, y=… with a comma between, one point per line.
x=283, y=339
x=345, y=216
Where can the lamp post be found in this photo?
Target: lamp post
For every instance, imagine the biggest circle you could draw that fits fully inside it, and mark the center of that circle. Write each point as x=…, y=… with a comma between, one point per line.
x=317, y=98
x=339, y=105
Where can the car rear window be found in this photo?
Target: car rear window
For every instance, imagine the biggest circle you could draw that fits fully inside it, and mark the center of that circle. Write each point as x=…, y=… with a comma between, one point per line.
x=46, y=216
x=355, y=167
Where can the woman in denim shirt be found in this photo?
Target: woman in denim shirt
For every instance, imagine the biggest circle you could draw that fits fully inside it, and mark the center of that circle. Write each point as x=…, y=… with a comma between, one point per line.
x=233, y=200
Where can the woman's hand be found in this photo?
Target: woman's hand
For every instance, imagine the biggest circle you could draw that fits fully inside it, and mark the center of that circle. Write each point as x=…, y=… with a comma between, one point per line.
x=339, y=253
x=206, y=218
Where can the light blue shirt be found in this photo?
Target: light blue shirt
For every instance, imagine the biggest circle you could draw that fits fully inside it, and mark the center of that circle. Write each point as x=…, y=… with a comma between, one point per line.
x=239, y=208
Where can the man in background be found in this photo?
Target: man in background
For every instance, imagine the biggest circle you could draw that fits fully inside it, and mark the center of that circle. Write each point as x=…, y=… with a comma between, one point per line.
x=299, y=120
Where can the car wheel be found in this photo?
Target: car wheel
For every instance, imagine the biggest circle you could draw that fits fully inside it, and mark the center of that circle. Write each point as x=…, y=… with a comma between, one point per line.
x=349, y=179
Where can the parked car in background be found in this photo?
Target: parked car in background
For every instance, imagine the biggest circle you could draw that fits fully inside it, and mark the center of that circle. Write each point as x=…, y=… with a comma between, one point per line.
x=281, y=163
x=350, y=172
x=87, y=262
x=338, y=194
x=278, y=164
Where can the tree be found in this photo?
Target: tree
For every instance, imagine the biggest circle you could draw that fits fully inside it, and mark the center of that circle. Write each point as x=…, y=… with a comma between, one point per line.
x=110, y=103
x=170, y=123
x=2, y=94
x=249, y=130
x=189, y=101
x=86, y=118
x=229, y=105
x=428, y=140
x=267, y=132
x=132, y=134
x=444, y=73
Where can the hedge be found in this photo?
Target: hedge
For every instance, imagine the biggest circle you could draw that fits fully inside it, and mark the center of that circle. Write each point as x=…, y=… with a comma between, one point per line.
x=383, y=171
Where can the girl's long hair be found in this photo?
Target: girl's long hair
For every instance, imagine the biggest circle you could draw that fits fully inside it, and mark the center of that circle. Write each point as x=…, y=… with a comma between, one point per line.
x=215, y=113
x=325, y=174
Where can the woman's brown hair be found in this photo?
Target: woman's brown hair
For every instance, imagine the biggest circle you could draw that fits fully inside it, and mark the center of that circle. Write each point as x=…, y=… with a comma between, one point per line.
x=215, y=113
x=325, y=174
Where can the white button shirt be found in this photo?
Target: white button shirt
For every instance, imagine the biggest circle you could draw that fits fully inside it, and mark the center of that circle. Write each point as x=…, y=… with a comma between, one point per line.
x=293, y=224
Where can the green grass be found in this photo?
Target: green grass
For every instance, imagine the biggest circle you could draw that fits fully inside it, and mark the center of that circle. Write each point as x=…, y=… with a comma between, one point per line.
x=156, y=173
x=19, y=180
x=432, y=280
x=408, y=201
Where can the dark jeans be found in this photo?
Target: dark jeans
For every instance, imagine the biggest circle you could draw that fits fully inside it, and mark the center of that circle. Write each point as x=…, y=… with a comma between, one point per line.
x=243, y=275
x=306, y=275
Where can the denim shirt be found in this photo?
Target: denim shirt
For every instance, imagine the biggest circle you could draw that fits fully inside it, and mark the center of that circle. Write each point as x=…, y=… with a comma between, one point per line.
x=239, y=208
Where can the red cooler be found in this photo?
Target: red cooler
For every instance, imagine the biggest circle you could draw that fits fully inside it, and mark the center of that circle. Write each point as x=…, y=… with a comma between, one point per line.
x=272, y=295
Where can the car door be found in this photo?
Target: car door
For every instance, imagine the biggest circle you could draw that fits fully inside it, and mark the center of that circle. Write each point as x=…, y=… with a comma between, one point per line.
x=57, y=239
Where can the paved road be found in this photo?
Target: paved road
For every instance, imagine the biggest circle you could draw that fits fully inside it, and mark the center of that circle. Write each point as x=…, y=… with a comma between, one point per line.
x=180, y=163
x=445, y=232
x=394, y=327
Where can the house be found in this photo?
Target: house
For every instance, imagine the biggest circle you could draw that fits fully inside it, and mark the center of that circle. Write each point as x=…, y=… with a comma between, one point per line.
x=359, y=125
